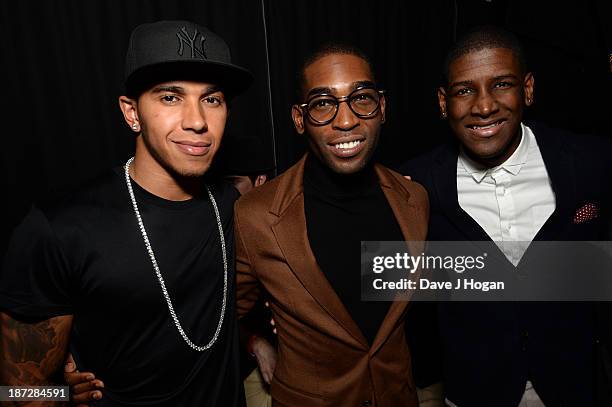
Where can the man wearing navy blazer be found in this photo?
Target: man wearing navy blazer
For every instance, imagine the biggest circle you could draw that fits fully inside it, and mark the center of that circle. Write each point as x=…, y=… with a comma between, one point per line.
x=504, y=180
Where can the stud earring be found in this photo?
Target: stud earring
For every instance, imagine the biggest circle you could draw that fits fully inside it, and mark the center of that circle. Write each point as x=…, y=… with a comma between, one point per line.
x=444, y=115
x=134, y=126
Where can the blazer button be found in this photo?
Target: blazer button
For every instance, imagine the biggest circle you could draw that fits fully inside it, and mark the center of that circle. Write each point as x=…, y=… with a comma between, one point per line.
x=366, y=403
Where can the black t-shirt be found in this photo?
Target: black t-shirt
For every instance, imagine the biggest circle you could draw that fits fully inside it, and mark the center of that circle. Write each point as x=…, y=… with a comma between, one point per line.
x=87, y=257
x=341, y=211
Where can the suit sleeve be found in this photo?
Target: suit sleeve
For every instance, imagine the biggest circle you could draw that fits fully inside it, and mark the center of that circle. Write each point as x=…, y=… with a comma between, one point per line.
x=247, y=284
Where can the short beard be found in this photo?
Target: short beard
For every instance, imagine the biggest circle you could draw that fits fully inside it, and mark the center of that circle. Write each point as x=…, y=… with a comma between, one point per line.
x=186, y=174
x=174, y=172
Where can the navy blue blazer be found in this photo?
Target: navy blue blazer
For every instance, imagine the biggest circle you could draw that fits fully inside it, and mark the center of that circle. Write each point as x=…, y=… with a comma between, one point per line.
x=489, y=350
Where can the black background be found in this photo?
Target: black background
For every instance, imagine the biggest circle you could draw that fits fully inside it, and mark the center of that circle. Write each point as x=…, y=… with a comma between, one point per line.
x=63, y=70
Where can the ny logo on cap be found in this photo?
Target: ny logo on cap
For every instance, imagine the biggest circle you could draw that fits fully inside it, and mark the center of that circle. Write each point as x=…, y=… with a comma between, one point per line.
x=192, y=42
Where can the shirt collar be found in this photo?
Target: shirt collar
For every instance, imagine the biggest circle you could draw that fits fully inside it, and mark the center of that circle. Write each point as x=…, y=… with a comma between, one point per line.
x=513, y=164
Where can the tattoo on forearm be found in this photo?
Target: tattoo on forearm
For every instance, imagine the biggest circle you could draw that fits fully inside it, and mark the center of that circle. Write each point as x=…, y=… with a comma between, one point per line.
x=30, y=353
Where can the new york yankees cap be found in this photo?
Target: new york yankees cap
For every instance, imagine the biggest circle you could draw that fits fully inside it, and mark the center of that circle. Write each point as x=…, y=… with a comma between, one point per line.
x=180, y=50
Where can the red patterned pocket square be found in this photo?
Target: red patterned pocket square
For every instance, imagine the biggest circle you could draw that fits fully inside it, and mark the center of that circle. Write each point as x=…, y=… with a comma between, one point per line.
x=587, y=212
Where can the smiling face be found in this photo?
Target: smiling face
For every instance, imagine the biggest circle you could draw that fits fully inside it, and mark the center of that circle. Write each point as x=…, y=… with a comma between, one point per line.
x=484, y=99
x=347, y=143
x=181, y=124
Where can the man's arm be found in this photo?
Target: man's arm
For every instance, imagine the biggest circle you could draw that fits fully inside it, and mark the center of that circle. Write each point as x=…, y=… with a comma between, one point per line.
x=84, y=387
x=255, y=332
x=247, y=284
x=32, y=352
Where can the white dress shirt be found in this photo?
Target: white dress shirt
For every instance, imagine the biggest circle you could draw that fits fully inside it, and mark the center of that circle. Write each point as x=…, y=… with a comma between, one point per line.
x=511, y=202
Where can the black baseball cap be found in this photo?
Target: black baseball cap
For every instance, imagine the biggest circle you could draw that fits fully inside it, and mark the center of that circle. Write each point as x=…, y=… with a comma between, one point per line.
x=180, y=50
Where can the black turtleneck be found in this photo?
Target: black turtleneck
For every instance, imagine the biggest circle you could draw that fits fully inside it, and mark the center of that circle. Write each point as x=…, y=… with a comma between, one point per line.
x=341, y=211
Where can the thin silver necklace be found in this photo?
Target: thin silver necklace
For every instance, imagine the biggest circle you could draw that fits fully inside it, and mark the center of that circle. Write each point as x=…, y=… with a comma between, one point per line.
x=158, y=272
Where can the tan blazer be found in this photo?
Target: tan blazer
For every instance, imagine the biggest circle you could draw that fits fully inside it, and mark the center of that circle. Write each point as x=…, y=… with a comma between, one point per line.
x=323, y=358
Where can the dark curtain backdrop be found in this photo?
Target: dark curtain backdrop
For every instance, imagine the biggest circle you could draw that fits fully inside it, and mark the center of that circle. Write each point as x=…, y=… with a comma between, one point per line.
x=63, y=68
x=566, y=44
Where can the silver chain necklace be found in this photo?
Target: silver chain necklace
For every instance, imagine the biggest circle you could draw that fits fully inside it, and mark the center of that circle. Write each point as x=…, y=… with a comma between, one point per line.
x=158, y=272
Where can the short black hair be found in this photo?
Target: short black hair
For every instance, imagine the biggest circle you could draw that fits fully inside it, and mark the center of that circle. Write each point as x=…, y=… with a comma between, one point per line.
x=329, y=48
x=485, y=37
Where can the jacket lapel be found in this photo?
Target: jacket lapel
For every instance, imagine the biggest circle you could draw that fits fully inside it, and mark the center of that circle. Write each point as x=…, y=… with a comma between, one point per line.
x=291, y=236
x=444, y=176
x=561, y=168
x=406, y=216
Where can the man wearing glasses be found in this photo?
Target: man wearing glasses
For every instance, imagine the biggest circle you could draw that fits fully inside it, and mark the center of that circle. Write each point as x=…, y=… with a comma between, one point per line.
x=298, y=237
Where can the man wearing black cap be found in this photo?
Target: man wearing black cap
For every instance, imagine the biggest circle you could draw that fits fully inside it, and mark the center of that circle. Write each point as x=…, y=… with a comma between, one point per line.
x=135, y=271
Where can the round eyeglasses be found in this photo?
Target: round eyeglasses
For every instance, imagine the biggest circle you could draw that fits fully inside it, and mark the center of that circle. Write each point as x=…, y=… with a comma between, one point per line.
x=364, y=102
